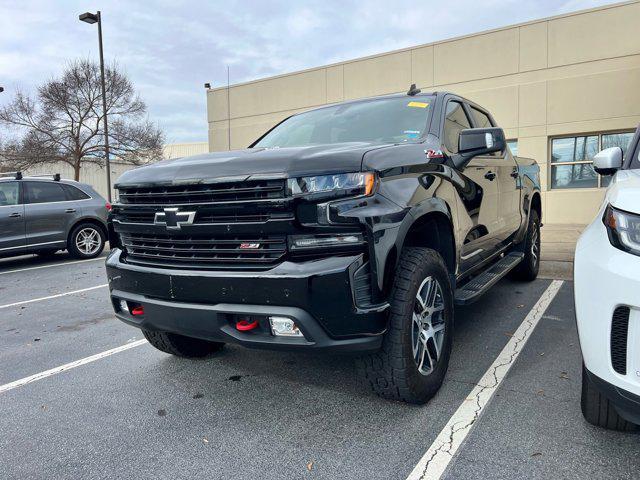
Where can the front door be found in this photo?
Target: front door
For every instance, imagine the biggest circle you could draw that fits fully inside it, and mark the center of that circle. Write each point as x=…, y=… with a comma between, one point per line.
x=503, y=173
x=12, y=236
x=479, y=195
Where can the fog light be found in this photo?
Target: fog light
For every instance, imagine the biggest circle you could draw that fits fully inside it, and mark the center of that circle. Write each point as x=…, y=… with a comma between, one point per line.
x=284, y=327
x=124, y=306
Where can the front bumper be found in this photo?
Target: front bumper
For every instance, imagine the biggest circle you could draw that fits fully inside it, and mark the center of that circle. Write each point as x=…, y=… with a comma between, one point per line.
x=317, y=295
x=606, y=278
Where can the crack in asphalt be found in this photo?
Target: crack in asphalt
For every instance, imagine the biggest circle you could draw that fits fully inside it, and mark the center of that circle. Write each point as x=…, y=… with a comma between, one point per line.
x=529, y=323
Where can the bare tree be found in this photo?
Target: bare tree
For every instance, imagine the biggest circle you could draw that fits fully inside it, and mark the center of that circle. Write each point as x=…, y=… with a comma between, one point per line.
x=63, y=121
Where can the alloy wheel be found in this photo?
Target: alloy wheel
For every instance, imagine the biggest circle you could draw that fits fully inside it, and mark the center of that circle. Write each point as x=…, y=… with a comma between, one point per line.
x=535, y=244
x=88, y=241
x=428, y=326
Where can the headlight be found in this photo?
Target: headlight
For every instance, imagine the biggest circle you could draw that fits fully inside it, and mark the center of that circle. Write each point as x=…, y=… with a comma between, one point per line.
x=300, y=242
x=342, y=184
x=623, y=229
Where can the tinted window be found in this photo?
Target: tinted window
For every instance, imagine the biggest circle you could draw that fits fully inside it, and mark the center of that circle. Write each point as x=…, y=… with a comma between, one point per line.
x=455, y=121
x=482, y=119
x=42, y=192
x=387, y=120
x=8, y=193
x=74, y=193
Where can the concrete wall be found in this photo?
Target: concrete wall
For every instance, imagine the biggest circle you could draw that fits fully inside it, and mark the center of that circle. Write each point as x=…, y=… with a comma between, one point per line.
x=177, y=150
x=96, y=176
x=571, y=74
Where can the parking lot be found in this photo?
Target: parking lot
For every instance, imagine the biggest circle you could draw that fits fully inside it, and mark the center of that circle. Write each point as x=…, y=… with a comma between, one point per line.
x=134, y=412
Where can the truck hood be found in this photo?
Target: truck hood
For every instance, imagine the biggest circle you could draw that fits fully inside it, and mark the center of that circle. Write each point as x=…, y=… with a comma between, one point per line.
x=624, y=191
x=252, y=162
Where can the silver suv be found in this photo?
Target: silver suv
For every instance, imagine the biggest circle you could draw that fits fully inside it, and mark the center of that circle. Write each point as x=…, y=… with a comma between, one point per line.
x=45, y=214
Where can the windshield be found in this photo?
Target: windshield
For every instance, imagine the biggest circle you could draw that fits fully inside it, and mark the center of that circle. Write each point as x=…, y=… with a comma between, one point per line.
x=387, y=120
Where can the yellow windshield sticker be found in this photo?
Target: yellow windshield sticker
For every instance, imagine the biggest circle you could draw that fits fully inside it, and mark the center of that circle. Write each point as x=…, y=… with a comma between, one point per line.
x=417, y=104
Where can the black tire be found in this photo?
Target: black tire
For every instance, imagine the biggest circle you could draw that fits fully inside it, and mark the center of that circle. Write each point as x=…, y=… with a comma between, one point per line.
x=47, y=253
x=74, y=241
x=181, y=346
x=598, y=410
x=393, y=372
x=527, y=269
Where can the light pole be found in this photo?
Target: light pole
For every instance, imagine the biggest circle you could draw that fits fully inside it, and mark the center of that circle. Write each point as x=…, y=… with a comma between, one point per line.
x=92, y=18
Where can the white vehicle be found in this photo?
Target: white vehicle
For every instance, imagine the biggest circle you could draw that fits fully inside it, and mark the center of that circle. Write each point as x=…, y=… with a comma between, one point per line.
x=607, y=296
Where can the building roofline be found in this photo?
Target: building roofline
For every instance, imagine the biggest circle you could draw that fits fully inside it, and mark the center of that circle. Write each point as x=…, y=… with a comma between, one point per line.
x=437, y=42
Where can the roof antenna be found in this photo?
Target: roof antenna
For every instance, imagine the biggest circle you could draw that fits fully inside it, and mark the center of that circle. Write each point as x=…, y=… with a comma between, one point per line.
x=413, y=90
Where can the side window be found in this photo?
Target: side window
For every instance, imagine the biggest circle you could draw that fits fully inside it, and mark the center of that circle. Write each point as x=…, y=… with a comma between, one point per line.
x=482, y=119
x=43, y=192
x=9, y=194
x=455, y=121
x=74, y=193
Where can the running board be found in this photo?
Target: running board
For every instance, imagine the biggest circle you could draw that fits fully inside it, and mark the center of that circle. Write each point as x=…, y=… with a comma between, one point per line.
x=477, y=286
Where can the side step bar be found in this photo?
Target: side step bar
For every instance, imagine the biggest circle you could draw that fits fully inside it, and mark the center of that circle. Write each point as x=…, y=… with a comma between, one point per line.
x=477, y=286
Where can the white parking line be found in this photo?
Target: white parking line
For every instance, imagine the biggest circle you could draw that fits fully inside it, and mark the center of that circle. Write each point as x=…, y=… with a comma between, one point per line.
x=52, y=265
x=24, y=302
x=436, y=459
x=68, y=366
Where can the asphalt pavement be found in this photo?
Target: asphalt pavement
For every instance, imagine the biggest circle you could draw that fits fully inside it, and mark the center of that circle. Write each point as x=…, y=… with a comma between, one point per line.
x=139, y=413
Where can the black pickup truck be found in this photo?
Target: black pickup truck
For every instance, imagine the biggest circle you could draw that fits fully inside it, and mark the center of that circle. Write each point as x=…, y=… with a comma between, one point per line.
x=354, y=227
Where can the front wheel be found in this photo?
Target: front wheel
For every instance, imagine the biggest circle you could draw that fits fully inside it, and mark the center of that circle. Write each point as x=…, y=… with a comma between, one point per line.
x=416, y=348
x=598, y=410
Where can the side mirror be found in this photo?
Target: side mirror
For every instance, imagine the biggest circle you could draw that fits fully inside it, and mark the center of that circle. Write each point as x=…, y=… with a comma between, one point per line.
x=608, y=161
x=480, y=141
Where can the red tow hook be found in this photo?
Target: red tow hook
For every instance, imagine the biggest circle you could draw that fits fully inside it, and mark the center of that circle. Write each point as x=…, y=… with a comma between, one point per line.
x=137, y=311
x=245, y=325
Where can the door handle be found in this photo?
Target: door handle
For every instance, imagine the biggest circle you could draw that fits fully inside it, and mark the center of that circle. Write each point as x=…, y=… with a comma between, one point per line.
x=514, y=174
x=70, y=210
x=490, y=176
x=15, y=215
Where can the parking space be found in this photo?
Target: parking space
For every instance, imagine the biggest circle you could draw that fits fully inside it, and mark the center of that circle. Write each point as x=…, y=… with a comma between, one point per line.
x=256, y=414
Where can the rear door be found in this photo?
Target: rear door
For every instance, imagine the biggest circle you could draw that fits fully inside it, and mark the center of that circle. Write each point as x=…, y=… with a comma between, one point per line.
x=504, y=167
x=480, y=194
x=48, y=213
x=12, y=237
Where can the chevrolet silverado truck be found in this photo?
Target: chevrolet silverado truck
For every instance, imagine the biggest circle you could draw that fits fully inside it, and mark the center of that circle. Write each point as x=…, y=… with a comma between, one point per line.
x=354, y=227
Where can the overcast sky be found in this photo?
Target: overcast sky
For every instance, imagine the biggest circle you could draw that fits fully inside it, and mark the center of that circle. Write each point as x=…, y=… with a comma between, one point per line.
x=170, y=48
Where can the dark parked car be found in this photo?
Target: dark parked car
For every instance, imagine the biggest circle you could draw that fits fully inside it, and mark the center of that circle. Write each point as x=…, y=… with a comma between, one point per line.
x=353, y=227
x=45, y=214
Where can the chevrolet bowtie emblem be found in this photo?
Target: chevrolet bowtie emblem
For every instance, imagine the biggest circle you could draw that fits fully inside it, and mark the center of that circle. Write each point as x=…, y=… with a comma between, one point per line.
x=173, y=218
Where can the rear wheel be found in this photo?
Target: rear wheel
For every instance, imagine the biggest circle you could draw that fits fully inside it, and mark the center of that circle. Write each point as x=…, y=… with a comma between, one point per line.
x=598, y=410
x=528, y=268
x=415, y=353
x=86, y=241
x=180, y=345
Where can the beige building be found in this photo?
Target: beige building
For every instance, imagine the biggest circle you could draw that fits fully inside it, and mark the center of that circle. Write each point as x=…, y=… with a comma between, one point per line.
x=561, y=87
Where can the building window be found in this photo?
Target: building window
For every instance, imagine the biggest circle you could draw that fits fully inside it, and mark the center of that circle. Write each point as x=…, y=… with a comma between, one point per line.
x=572, y=159
x=513, y=146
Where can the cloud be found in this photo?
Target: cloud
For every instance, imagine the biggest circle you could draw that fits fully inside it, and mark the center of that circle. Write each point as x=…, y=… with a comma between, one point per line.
x=170, y=48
